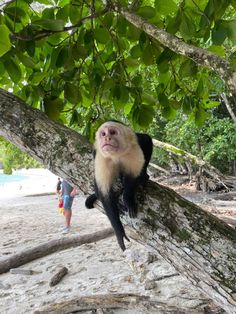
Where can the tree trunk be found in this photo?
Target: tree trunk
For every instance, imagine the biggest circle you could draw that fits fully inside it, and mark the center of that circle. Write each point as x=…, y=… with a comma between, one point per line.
x=229, y=108
x=196, y=243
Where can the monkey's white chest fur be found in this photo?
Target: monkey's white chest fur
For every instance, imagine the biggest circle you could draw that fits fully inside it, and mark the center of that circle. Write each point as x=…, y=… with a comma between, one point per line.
x=108, y=169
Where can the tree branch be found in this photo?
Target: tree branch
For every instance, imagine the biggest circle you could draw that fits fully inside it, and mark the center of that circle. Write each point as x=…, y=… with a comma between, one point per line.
x=45, y=33
x=198, y=55
x=112, y=301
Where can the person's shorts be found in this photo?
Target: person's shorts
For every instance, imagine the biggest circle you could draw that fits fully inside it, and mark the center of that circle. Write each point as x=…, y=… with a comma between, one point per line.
x=67, y=202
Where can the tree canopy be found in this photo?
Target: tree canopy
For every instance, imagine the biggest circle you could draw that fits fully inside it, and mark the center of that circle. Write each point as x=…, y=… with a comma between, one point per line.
x=84, y=61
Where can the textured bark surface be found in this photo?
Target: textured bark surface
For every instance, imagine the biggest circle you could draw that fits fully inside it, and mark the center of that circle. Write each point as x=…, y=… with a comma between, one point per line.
x=196, y=243
x=61, y=150
x=112, y=301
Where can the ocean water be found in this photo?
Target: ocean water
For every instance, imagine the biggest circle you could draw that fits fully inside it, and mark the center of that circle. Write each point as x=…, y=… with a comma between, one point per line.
x=5, y=178
x=27, y=182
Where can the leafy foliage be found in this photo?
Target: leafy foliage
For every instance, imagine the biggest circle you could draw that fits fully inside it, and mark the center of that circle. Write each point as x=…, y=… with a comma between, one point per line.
x=12, y=158
x=215, y=142
x=82, y=62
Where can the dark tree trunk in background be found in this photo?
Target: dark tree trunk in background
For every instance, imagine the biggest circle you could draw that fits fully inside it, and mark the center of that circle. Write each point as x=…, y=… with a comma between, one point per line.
x=197, y=244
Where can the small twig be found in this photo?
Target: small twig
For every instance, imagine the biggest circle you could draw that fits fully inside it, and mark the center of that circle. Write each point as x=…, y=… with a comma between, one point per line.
x=58, y=276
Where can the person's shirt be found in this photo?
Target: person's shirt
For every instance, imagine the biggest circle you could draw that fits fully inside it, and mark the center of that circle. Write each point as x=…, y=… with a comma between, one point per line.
x=66, y=188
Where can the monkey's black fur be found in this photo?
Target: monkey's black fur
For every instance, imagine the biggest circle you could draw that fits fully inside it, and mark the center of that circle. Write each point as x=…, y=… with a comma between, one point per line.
x=130, y=185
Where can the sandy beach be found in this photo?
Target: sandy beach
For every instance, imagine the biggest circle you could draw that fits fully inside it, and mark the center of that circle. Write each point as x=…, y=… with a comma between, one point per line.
x=29, y=218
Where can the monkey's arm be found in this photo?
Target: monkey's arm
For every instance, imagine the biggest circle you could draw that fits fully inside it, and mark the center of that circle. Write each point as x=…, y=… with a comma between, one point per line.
x=130, y=186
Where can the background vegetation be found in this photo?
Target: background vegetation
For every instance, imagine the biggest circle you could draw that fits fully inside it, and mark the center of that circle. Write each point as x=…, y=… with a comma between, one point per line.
x=83, y=62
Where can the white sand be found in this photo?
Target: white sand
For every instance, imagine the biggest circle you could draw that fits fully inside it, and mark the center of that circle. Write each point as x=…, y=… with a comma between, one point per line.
x=93, y=268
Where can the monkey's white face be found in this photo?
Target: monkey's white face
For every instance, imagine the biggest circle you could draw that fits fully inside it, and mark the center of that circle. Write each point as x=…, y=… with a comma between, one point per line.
x=110, y=139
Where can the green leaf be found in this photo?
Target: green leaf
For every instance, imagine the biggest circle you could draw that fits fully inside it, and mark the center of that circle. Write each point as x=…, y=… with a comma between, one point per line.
x=128, y=108
x=37, y=77
x=27, y=61
x=218, y=50
x=136, y=52
x=62, y=57
x=166, y=7
x=200, y=116
x=148, y=55
x=102, y=35
x=74, y=14
x=52, y=25
x=201, y=88
x=13, y=70
x=53, y=107
x=168, y=113
x=48, y=13
x=211, y=104
x=187, y=27
x=15, y=13
x=72, y=93
x=188, y=104
x=145, y=115
x=188, y=68
x=5, y=44
x=46, y=2
x=133, y=32
x=63, y=13
x=147, y=12
x=231, y=30
x=219, y=34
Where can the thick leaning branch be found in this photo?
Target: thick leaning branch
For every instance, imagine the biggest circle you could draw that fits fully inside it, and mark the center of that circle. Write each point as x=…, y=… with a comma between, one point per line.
x=197, y=244
x=198, y=55
x=60, y=149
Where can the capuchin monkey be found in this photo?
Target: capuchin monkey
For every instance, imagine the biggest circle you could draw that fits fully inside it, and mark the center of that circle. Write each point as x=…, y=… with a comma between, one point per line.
x=119, y=153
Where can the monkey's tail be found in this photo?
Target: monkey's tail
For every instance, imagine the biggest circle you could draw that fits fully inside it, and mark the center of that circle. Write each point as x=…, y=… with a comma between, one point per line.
x=90, y=201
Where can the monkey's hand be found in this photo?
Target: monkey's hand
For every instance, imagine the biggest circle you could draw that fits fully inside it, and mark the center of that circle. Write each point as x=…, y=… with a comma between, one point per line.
x=90, y=201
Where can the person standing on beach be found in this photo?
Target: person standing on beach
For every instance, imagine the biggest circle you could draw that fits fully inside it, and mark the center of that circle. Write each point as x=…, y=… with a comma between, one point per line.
x=67, y=194
x=59, y=186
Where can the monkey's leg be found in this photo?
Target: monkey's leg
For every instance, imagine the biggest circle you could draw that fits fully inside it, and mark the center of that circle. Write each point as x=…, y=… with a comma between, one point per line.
x=112, y=211
x=130, y=187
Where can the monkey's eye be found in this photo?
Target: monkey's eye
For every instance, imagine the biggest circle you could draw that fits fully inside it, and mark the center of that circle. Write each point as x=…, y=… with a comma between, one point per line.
x=112, y=132
x=103, y=133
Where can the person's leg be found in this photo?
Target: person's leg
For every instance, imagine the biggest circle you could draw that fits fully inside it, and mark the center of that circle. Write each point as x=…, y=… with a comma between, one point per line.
x=67, y=211
x=67, y=214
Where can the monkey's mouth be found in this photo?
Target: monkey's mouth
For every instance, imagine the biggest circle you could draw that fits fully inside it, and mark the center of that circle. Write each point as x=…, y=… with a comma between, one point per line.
x=108, y=146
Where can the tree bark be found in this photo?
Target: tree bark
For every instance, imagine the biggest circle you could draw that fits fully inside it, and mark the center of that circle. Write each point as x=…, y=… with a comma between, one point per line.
x=228, y=106
x=112, y=301
x=50, y=247
x=196, y=243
